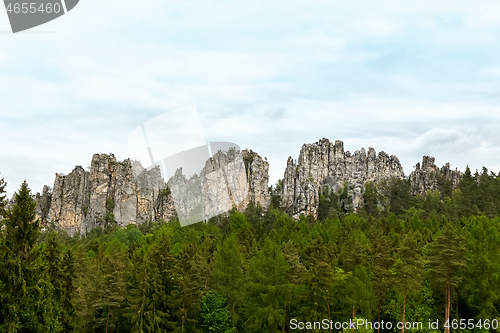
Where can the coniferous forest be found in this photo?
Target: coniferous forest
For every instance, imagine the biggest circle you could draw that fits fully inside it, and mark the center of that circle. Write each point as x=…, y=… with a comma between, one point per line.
x=401, y=258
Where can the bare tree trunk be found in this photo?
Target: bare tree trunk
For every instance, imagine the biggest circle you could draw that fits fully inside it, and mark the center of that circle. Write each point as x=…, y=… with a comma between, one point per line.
x=183, y=317
x=378, y=316
x=404, y=312
x=447, y=311
x=329, y=317
x=107, y=321
x=353, y=313
x=449, y=305
x=232, y=313
x=284, y=322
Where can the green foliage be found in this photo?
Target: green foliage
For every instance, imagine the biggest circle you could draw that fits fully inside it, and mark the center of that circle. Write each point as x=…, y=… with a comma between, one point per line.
x=35, y=285
x=228, y=272
x=329, y=203
x=267, y=290
x=109, y=217
x=401, y=256
x=448, y=257
x=481, y=278
x=214, y=315
x=397, y=195
x=370, y=198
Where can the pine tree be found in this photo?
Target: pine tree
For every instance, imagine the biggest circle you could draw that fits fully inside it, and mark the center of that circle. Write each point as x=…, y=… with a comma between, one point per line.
x=155, y=300
x=468, y=187
x=190, y=287
x=215, y=316
x=267, y=290
x=448, y=260
x=323, y=280
x=481, y=285
x=67, y=291
x=228, y=273
x=397, y=194
x=111, y=285
x=407, y=268
x=382, y=261
x=355, y=259
x=370, y=199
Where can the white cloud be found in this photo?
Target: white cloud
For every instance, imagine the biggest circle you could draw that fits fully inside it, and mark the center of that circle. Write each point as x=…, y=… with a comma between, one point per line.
x=267, y=75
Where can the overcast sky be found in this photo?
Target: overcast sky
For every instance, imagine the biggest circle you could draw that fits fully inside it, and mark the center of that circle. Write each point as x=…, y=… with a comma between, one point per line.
x=409, y=78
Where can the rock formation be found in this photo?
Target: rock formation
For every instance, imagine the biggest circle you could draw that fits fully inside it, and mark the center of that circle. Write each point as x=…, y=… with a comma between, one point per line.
x=43, y=202
x=69, y=202
x=257, y=171
x=327, y=164
x=228, y=179
x=130, y=194
x=123, y=190
x=427, y=176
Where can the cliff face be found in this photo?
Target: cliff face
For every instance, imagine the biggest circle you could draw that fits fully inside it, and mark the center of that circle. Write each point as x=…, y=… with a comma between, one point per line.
x=426, y=177
x=82, y=199
x=43, y=202
x=228, y=179
x=70, y=196
x=257, y=171
x=325, y=163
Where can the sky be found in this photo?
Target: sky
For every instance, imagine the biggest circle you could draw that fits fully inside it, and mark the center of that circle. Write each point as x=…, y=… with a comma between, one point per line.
x=410, y=79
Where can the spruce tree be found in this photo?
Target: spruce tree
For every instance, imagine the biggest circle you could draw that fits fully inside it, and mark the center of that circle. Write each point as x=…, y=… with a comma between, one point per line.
x=228, y=273
x=21, y=281
x=22, y=226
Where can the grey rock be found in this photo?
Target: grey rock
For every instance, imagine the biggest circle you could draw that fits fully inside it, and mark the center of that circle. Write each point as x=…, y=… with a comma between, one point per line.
x=427, y=175
x=69, y=200
x=43, y=202
x=230, y=179
x=81, y=200
x=327, y=164
x=257, y=171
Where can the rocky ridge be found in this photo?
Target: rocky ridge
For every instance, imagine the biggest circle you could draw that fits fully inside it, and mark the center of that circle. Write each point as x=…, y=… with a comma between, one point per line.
x=326, y=164
x=427, y=176
x=131, y=194
x=83, y=199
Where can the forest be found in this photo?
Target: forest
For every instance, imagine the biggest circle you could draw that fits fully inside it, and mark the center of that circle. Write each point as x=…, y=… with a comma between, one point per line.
x=402, y=258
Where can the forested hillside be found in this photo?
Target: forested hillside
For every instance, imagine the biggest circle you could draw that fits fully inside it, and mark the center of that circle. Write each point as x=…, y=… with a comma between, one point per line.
x=398, y=258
